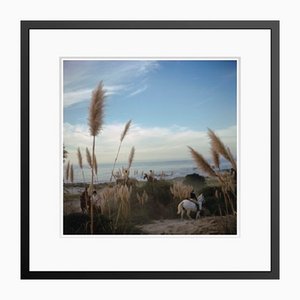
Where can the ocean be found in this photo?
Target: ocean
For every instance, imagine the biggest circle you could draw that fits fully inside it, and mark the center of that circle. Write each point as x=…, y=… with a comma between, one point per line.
x=162, y=169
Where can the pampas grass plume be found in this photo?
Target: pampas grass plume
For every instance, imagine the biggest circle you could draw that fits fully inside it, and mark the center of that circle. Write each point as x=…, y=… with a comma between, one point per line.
x=89, y=157
x=125, y=131
x=131, y=156
x=71, y=173
x=96, y=110
x=79, y=158
x=215, y=158
x=67, y=170
x=202, y=163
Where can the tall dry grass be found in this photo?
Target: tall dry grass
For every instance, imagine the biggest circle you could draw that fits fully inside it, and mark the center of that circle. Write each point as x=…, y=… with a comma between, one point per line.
x=143, y=198
x=96, y=167
x=122, y=137
x=71, y=173
x=108, y=202
x=89, y=157
x=202, y=163
x=80, y=163
x=215, y=158
x=126, y=171
x=96, y=110
x=68, y=171
x=115, y=204
x=227, y=181
x=232, y=160
x=96, y=113
x=218, y=196
x=130, y=158
x=122, y=196
x=218, y=146
x=181, y=191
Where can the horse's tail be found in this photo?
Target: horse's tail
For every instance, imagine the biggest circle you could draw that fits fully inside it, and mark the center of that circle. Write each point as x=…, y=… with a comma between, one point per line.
x=179, y=208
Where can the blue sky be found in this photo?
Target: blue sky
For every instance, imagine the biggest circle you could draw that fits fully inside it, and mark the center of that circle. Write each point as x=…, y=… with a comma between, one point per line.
x=178, y=98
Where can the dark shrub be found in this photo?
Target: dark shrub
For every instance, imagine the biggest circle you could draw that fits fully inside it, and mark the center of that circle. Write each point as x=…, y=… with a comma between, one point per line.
x=195, y=180
x=75, y=223
x=78, y=223
x=214, y=204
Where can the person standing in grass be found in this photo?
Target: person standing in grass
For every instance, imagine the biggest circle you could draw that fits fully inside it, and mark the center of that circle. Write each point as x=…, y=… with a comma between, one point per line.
x=194, y=199
x=84, y=200
x=151, y=176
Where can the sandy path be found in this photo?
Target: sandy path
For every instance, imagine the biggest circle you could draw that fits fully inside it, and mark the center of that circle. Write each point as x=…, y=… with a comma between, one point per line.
x=205, y=225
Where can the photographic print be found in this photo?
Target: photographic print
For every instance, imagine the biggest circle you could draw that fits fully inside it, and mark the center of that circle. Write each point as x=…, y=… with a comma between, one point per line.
x=149, y=146
x=154, y=144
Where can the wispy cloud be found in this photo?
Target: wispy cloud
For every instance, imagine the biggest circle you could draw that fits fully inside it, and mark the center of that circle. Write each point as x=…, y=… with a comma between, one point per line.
x=148, y=66
x=155, y=143
x=74, y=97
x=80, y=77
x=71, y=98
x=138, y=91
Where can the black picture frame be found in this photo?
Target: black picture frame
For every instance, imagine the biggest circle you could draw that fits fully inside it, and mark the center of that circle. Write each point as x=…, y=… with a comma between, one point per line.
x=26, y=26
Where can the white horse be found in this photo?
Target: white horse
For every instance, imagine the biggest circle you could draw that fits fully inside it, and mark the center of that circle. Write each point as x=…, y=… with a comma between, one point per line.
x=188, y=206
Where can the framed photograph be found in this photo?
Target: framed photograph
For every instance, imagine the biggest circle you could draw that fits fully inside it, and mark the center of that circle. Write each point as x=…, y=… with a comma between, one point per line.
x=150, y=150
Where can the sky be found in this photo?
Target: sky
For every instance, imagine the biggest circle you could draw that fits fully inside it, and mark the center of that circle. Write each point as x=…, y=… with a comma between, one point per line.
x=171, y=104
